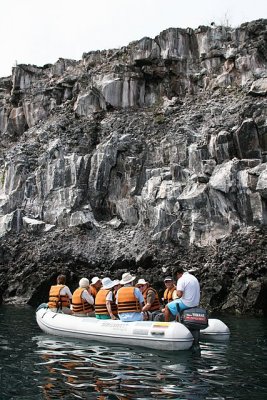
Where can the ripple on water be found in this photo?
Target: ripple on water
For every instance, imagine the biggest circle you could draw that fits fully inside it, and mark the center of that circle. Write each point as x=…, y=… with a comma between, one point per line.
x=116, y=371
x=92, y=371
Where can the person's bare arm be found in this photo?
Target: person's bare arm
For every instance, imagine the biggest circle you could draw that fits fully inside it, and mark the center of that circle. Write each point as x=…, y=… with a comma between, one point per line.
x=167, y=314
x=150, y=299
x=108, y=304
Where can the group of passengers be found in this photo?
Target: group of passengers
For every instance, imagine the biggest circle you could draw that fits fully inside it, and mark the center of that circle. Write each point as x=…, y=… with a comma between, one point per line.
x=121, y=299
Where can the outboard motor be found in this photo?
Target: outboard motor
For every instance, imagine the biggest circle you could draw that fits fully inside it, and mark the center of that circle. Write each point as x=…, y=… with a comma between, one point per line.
x=195, y=319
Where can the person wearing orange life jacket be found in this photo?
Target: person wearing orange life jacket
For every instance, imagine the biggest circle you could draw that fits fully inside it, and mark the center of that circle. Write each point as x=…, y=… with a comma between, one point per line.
x=95, y=286
x=60, y=296
x=169, y=295
x=105, y=304
x=151, y=298
x=129, y=300
x=170, y=292
x=82, y=300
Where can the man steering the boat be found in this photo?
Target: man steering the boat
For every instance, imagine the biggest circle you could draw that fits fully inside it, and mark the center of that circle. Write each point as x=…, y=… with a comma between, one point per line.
x=188, y=292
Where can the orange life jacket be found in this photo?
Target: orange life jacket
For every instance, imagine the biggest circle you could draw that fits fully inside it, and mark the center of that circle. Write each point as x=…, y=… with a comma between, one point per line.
x=93, y=291
x=155, y=306
x=127, y=302
x=168, y=295
x=79, y=305
x=100, y=303
x=55, y=299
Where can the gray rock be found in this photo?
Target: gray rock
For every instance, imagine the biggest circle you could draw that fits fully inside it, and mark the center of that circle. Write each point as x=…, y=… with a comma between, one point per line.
x=138, y=158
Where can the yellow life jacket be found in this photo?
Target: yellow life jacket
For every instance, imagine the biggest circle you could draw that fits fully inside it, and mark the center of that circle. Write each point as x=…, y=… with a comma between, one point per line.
x=127, y=302
x=155, y=306
x=79, y=305
x=168, y=295
x=55, y=299
x=100, y=303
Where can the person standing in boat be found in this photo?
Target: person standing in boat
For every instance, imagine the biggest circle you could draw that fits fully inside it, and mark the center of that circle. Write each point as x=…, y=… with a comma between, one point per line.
x=151, y=299
x=95, y=286
x=82, y=300
x=130, y=300
x=105, y=302
x=188, y=292
x=60, y=296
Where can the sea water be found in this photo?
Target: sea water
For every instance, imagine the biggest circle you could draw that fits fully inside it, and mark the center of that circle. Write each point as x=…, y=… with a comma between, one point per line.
x=34, y=365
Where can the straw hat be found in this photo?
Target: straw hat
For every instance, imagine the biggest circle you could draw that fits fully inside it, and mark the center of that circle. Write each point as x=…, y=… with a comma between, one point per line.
x=127, y=278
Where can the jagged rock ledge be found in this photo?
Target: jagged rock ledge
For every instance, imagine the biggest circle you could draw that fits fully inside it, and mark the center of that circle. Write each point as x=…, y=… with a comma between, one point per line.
x=137, y=158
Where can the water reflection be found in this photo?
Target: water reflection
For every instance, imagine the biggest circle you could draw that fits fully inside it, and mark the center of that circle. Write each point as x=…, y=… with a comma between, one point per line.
x=93, y=371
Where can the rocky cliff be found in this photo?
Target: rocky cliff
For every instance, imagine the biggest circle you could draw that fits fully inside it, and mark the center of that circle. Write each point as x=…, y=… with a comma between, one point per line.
x=137, y=159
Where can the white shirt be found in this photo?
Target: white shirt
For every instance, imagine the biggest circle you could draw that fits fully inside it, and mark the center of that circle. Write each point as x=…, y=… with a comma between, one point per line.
x=189, y=285
x=87, y=296
x=66, y=291
x=109, y=296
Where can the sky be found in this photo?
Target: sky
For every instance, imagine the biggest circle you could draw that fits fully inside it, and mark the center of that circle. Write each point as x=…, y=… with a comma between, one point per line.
x=41, y=31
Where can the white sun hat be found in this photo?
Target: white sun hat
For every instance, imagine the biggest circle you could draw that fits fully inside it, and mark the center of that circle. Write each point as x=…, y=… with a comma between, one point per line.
x=95, y=279
x=107, y=283
x=84, y=283
x=127, y=278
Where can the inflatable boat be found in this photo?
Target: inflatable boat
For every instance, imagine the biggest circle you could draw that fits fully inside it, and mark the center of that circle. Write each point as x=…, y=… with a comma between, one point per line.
x=171, y=336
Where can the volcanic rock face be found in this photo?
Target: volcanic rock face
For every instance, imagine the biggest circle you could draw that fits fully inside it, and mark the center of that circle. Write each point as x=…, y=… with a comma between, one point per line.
x=135, y=158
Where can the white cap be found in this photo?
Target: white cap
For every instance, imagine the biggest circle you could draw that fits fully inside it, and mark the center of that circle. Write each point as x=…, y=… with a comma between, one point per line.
x=95, y=279
x=168, y=278
x=84, y=283
x=141, y=282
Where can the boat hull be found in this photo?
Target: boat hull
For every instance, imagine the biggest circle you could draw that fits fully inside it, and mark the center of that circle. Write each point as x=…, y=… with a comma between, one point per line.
x=217, y=330
x=154, y=335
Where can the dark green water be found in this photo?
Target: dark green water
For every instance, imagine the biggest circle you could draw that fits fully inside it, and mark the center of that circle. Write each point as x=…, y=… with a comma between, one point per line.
x=37, y=366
